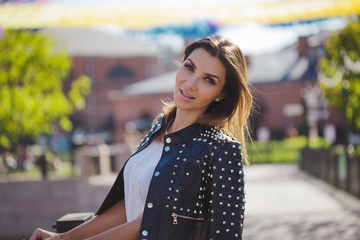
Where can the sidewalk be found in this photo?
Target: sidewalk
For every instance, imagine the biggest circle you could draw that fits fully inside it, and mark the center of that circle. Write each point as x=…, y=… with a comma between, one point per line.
x=284, y=203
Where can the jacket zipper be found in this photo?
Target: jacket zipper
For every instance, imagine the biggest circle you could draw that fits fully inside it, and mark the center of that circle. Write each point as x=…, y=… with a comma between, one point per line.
x=175, y=216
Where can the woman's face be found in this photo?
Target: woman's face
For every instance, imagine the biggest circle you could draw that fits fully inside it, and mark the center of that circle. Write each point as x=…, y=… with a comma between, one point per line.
x=199, y=80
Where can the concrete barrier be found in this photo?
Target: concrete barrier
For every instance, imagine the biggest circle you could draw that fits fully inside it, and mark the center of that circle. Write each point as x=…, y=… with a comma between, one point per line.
x=25, y=205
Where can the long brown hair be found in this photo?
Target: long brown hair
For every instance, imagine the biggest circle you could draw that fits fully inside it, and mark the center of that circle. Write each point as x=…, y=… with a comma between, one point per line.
x=232, y=112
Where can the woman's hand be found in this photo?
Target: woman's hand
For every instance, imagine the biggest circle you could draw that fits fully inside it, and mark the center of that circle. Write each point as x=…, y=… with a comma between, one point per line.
x=41, y=234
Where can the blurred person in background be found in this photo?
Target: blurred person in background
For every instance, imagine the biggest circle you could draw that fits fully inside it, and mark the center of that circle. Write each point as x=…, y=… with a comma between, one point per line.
x=185, y=180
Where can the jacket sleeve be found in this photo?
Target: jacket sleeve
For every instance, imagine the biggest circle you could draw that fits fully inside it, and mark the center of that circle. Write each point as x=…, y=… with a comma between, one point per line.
x=226, y=204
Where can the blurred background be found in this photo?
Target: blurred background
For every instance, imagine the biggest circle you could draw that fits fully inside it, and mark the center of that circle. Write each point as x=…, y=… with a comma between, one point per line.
x=81, y=82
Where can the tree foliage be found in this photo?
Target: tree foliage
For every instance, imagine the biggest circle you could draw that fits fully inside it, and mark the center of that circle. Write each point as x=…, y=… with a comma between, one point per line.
x=32, y=73
x=339, y=72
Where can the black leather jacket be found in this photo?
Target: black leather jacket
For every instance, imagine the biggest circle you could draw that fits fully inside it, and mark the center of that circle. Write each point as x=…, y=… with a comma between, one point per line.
x=197, y=190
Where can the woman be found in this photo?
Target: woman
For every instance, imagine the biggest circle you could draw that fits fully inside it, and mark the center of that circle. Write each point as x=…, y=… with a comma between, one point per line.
x=185, y=180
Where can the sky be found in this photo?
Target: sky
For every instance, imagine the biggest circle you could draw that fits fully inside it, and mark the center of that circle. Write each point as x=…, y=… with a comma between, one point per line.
x=258, y=39
x=253, y=38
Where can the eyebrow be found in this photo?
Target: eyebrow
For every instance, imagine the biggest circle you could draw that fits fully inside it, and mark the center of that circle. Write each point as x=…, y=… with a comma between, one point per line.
x=207, y=74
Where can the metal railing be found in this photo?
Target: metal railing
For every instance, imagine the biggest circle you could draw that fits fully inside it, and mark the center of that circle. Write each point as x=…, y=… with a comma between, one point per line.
x=339, y=169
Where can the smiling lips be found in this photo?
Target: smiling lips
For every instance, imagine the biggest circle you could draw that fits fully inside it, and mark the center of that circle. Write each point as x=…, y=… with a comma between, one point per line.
x=183, y=93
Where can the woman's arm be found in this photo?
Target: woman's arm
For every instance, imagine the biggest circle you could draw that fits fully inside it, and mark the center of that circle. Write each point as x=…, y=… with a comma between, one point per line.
x=114, y=216
x=127, y=231
x=111, y=218
x=226, y=208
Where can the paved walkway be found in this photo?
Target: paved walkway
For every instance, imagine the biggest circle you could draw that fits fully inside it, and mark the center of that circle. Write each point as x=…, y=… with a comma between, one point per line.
x=284, y=203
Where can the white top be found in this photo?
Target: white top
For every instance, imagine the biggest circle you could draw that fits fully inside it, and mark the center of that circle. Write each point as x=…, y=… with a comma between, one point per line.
x=137, y=176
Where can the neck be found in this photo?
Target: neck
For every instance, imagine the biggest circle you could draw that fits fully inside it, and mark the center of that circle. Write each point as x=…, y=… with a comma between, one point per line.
x=182, y=120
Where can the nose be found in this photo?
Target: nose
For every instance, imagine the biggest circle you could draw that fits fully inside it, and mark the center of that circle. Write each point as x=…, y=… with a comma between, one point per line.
x=191, y=82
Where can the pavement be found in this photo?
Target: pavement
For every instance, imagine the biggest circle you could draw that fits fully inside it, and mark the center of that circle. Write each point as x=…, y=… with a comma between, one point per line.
x=285, y=203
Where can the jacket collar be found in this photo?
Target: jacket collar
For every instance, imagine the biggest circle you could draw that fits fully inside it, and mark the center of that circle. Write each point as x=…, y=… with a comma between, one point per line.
x=184, y=134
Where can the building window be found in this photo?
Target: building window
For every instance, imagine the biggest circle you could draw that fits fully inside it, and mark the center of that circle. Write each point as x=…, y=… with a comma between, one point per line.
x=120, y=72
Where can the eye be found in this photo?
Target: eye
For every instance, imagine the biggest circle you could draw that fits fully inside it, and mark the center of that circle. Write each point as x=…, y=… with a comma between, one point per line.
x=210, y=80
x=189, y=66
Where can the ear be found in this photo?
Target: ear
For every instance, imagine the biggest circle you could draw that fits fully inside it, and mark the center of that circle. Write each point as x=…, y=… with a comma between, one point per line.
x=220, y=97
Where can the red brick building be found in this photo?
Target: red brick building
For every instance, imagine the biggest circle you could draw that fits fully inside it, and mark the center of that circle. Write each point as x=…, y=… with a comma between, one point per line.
x=112, y=62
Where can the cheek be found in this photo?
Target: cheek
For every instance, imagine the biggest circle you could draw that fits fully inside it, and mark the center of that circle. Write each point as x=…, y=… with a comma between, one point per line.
x=182, y=74
x=209, y=92
x=178, y=77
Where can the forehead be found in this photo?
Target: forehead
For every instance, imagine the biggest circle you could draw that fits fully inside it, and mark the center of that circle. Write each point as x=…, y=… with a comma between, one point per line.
x=206, y=63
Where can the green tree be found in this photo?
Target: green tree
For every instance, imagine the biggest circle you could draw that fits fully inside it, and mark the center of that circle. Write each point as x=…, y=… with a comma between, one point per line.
x=339, y=73
x=32, y=99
